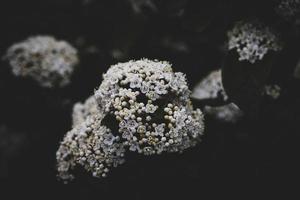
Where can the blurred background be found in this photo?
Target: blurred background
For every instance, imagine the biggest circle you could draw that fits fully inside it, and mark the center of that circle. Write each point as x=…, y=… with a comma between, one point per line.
x=245, y=158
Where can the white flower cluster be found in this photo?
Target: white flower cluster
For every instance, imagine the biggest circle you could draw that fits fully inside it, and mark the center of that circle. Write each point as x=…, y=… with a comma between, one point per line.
x=288, y=8
x=90, y=145
x=44, y=59
x=140, y=106
x=82, y=110
x=252, y=41
x=211, y=87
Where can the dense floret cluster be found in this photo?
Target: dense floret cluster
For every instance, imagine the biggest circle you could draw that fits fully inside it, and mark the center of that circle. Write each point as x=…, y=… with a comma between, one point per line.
x=81, y=111
x=140, y=106
x=252, y=41
x=43, y=58
x=92, y=146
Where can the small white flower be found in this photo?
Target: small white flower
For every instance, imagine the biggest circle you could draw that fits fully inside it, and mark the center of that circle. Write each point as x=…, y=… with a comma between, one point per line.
x=150, y=108
x=127, y=134
x=131, y=124
x=159, y=130
x=145, y=87
x=135, y=81
x=108, y=139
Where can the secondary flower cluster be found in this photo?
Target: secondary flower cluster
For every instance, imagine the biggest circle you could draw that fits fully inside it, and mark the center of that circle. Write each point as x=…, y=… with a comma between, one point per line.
x=81, y=111
x=252, y=41
x=90, y=145
x=44, y=59
x=140, y=106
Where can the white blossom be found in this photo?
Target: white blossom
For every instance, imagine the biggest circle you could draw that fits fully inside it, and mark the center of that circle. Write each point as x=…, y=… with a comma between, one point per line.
x=43, y=58
x=252, y=41
x=82, y=111
x=149, y=106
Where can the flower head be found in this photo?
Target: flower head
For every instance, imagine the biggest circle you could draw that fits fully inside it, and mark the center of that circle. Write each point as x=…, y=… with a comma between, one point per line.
x=252, y=41
x=149, y=94
x=46, y=60
x=123, y=115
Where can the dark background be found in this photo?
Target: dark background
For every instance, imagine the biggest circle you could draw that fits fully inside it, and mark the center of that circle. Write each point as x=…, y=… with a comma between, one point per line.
x=251, y=157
